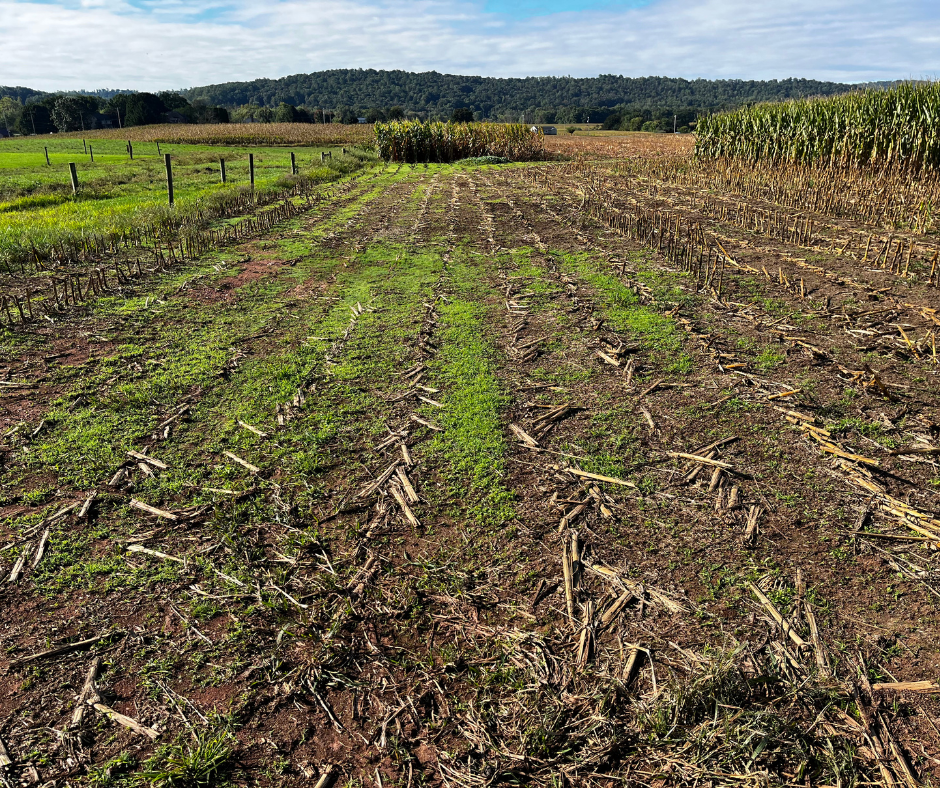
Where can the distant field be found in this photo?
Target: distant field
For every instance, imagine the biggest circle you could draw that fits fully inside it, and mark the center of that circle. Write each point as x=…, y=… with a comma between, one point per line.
x=621, y=144
x=240, y=134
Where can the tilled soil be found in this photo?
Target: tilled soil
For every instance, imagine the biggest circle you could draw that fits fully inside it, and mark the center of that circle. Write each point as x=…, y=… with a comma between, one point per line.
x=455, y=485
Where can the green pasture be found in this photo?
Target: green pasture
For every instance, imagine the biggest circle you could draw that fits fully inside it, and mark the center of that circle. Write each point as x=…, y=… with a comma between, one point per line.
x=37, y=207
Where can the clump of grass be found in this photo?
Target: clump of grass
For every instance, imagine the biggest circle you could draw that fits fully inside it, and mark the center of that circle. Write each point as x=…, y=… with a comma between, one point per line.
x=624, y=312
x=202, y=763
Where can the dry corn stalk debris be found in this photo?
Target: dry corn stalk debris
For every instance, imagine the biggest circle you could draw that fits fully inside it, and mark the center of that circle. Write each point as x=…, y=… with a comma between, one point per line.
x=391, y=616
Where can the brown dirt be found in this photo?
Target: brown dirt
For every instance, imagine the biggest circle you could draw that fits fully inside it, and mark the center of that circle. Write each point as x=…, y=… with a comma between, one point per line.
x=429, y=665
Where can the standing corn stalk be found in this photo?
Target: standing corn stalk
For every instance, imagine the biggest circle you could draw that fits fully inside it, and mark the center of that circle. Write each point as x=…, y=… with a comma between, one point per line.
x=417, y=141
x=897, y=128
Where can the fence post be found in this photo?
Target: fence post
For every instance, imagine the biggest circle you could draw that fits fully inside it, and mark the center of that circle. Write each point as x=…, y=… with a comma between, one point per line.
x=293, y=164
x=91, y=152
x=251, y=169
x=47, y=157
x=169, y=177
x=85, y=146
x=130, y=150
x=222, y=168
x=74, y=175
x=158, y=149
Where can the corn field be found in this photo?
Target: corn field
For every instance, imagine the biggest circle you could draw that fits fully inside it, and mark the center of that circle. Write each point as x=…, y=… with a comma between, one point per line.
x=894, y=129
x=416, y=141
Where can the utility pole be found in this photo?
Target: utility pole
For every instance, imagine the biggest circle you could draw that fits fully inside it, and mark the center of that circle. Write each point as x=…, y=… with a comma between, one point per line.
x=674, y=117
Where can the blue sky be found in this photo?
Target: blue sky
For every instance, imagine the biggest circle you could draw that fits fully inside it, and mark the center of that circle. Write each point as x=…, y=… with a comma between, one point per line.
x=526, y=9
x=158, y=44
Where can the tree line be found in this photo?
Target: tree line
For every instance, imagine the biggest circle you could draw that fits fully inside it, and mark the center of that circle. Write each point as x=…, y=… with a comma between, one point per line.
x=26, y=112
x=431, y=95
x=348, y=95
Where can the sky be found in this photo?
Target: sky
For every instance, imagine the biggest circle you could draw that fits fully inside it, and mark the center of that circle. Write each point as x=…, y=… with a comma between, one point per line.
x=166, y=44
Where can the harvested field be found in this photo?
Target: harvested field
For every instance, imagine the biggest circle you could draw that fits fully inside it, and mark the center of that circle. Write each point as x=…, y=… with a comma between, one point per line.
x=236, y=134
x=470, y=476
x=635, y=144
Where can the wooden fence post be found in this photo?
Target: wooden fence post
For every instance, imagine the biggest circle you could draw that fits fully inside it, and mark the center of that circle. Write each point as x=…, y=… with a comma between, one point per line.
x=74, y=175
x=158, y=149
x=222, y=168
x=251, y=169
x=293, y=164
x=169, y=177
x=85, y=146
x=130, y=150
x=47, y=157
x=91, y=152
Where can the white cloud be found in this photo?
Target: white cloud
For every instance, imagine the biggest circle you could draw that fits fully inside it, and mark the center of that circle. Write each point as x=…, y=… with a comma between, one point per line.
x=156, y=45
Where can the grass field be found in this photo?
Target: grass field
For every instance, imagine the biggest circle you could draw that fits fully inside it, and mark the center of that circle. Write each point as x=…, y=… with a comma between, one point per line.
x=38, y=209
x=617, y=470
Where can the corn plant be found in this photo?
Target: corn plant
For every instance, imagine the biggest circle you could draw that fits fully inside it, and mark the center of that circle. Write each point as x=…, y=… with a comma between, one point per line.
x=416, y=141
x=895, y=129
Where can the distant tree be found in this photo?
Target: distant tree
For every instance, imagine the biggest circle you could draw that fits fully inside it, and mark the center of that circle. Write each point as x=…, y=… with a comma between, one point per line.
x=548, y=115
x=571, y=129
x=214, y=115
x=375, y=115
x=612, y=122
x=10, y=110
x=285, y=113
x=396, y=113
x=634, y=124
x=265, y=114
x=462, y=115
x=657, y=125
x=69, y=113
x=34, y=119
x=137, y=109
x=172, y=100
x=346, y=115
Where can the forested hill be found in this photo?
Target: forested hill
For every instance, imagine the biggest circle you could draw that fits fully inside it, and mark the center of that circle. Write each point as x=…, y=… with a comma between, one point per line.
x=19, y=93
x=439, y=94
